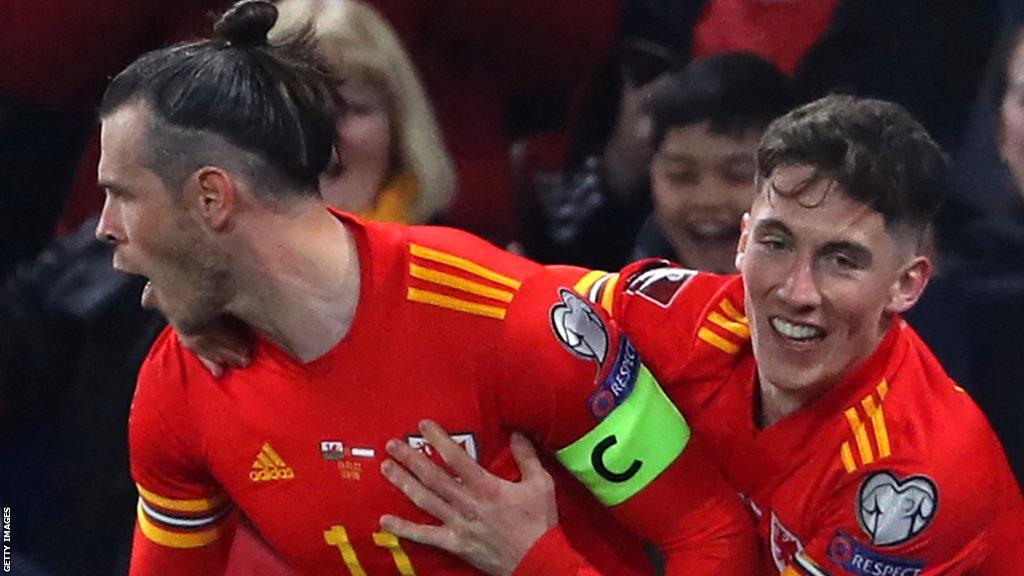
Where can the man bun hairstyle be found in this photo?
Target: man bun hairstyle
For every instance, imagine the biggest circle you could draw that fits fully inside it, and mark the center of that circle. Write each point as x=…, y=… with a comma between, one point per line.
x=875, y=150
x=246, y=23
x=267, y=112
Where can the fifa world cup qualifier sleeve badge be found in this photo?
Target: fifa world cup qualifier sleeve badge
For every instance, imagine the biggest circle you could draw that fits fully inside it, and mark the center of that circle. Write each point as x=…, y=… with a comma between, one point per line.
x=892, y=510
x=579, y=328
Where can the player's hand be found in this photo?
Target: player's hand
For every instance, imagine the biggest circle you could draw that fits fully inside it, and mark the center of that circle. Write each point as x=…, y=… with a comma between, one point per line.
x=223, y=344
x=487, y=521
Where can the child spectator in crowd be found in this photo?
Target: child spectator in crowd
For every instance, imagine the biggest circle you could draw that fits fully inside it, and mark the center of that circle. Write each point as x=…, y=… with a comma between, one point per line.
x=707, y=121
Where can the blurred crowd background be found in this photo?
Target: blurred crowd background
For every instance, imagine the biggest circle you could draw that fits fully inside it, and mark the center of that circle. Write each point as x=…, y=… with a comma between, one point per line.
x=590, y=133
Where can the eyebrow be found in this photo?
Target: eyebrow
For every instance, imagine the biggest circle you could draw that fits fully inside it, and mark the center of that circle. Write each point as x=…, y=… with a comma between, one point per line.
x=772, y=225
x=109, y=185
x=854, y=249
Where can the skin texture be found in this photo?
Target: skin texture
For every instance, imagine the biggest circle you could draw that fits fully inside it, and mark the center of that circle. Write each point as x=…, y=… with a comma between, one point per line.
x=152, y=230
x=1010, y=134
x=285, y=267
x=363, y=148
x=487, y=521
x=702, y=185
x=820, y=260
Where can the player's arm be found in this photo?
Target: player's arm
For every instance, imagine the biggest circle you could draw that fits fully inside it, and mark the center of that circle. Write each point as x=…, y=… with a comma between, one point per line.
x=621, y=435
x=915, y=518
x=579, y=388
x=184, y=520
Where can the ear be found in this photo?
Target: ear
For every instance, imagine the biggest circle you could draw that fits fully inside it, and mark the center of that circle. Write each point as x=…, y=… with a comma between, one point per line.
x=909, y=285
x=741, y=247
x=212, y=194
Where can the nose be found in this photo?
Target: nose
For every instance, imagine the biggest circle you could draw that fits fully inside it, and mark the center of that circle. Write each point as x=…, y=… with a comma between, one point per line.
x=108, y=229
x=800, y=287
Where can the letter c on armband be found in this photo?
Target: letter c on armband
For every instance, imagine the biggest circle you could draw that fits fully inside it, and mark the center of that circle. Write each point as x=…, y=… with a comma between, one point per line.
x=597, y=461
x=629, y=447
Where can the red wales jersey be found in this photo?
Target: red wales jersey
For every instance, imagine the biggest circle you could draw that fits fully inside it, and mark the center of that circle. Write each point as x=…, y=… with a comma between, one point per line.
x=893, y=472
x=451, y=328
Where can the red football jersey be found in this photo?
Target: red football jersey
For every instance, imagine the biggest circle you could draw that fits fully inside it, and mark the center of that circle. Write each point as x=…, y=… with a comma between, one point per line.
x=894, y=471
x=447, y=327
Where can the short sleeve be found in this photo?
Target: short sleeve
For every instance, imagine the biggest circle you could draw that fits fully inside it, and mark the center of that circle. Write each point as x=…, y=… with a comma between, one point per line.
x=579, y=386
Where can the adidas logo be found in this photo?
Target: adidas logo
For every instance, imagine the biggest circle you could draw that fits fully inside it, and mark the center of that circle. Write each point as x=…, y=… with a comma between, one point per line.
x=269, y=466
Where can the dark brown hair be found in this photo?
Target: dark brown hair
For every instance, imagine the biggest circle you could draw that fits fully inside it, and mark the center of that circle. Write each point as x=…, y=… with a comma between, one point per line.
x=275, y=102
x=875, y=150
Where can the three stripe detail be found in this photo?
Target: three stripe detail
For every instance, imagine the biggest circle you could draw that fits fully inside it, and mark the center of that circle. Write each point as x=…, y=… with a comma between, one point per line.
x=869, y=416
x=482, y=291
x=598, y=287
x=725, y=328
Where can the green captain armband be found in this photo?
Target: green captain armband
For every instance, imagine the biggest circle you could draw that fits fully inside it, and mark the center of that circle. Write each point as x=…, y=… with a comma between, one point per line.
x=635, y=443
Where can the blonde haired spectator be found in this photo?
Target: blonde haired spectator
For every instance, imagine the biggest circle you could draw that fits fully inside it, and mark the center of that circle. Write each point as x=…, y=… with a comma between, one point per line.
x=392, y=163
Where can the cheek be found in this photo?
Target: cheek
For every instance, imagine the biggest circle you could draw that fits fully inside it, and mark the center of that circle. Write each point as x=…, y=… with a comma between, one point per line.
x=761, y=271
x=669, y=199
x=859, y=307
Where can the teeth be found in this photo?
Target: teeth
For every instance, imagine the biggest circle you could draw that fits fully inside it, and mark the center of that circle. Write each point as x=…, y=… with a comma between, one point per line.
x=795, y=331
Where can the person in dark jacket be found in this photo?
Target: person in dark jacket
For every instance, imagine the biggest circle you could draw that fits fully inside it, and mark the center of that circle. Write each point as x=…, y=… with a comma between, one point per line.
x=72, y=338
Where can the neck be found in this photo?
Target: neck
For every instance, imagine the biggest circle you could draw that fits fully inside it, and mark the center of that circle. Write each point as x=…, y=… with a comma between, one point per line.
x=300, y=283
x=356, y=190
x=777, y=403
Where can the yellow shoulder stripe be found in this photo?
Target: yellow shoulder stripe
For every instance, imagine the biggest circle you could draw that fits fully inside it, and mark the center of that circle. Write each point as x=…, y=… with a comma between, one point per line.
x=731, y=311
x=452, y=303
x=738, y=328
x=717, y=341
x=867, y=451
x=860, y=434
x=846, y=454
x=462, y=264
x=608, y=297
x=874, y=412
x=732, y=322
x=198, y=505
x=175, y=539
x=584, y=284
x=457, y=283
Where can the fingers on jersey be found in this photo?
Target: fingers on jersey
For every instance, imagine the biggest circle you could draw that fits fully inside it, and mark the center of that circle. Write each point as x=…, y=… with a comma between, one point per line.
x=429, y=499
x=437, y=536
x=526, y=458
x=454, y=455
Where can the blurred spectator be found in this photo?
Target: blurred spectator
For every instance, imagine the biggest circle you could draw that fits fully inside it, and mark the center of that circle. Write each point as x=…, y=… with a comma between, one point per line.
x=590, y=212
x=477, y=58
x=74, y=338
x=391, y=162
x=707, y=122
x=927, y=56
x=55, y=58
x=971, y=315
x=74, y=333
